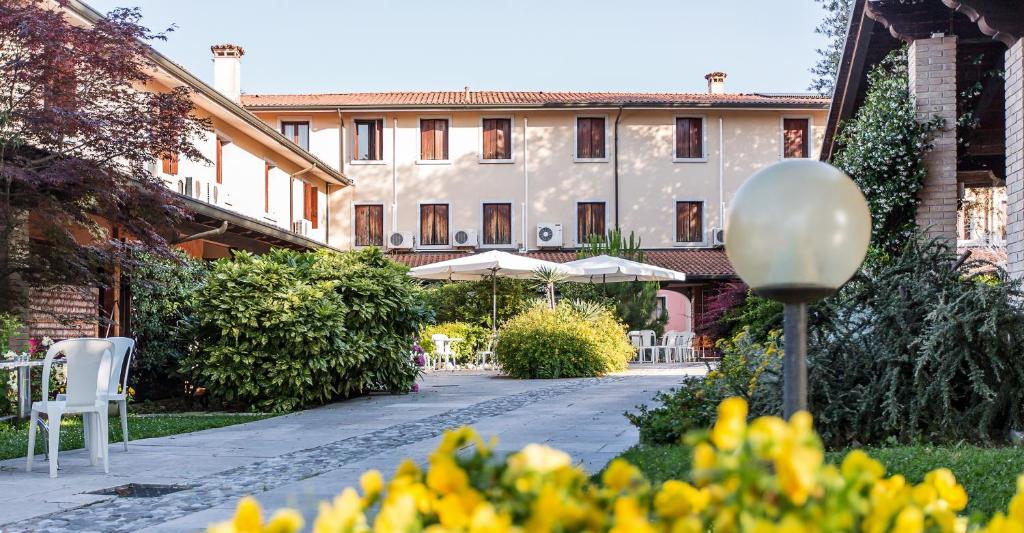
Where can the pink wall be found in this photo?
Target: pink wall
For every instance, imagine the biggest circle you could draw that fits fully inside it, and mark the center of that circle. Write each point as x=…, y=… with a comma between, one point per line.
x=679, y=315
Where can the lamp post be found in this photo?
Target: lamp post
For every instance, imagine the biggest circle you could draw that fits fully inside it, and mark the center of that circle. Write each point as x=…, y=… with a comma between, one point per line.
x=796, y=231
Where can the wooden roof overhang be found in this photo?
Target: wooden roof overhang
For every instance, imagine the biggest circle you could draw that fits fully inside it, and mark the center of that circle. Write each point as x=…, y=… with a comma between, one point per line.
x=984, y=28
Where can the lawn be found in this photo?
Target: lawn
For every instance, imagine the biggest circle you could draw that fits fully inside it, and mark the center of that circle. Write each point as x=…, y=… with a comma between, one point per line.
x=988, y=474
x=14, y=435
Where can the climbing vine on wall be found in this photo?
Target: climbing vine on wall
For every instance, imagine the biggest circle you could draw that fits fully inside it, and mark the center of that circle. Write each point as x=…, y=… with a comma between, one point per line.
x=882, y=149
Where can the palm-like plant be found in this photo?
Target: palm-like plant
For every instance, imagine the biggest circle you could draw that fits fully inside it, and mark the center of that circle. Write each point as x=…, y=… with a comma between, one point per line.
x=546, y=278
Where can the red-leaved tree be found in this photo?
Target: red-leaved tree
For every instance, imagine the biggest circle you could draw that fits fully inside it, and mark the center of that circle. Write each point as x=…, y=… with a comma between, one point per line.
x=78, y=136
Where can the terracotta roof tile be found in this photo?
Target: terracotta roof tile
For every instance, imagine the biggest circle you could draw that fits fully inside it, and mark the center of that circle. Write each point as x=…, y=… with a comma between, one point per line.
x=536, y=98
x=698, y=262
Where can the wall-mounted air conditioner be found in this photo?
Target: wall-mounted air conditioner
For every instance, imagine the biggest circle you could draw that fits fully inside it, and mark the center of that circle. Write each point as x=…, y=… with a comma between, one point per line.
x=400, y=240
x=549, y=235
x=718, y=236
x=466, y=238
x=301, y=227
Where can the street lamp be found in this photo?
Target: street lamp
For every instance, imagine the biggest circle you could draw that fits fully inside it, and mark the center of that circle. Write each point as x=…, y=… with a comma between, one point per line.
x=796, y=231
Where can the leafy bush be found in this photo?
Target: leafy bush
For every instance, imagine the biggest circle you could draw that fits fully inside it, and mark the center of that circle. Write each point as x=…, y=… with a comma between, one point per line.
x=561, y=343
x=9, y=327
x=287, y=329
x=766, y=475
x=474, y=338
x=470, y=301
x=680, y=411
x=163, y=293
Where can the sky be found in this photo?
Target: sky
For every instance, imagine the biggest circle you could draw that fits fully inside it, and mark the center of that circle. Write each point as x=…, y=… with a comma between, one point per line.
x=317, y=46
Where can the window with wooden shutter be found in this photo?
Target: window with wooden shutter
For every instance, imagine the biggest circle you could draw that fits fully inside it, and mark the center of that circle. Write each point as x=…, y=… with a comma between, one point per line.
x=309, y=204
x=497, y=141
x=219, y=161
x=169, y=164
x=589, y=221
x=434, y=224
x=689, y=221
x=795, y=137
x=369, y=225
x=266, y=187
x=434, y=139
x=590, y=138
x=296, y=132
x=497, y=224
x=369, y=143
x=689, y=138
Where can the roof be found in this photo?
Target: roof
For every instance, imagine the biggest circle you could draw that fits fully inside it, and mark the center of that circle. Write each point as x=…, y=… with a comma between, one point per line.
x=696, y=263
x=530, y=99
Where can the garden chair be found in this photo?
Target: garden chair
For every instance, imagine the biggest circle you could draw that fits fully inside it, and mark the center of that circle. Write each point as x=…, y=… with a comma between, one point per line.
x=115, y=388
x=637, y=342
x=648, y=344
x=684, y=345
x=667, y=349
x=483, y=355
x=442, y=351
x=85, y=358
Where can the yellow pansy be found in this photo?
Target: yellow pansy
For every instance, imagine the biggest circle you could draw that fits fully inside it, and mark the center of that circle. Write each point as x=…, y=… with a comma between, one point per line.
x=621, y=475
x=678, y=498
x=910, y=520
x=445, y=476
x=728, y=430
x=284, y=521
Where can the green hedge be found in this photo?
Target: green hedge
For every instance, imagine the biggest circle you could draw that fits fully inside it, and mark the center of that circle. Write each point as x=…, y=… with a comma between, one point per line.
x=562, y=343
x=474, y=338
x=286, y=330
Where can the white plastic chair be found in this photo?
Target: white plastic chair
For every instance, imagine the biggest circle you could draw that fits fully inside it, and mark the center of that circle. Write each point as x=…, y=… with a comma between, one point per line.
x=637, y=341
x=667, y=347
x=684, y=345
x=85, y=357
x=648, y=344
x=442, y=350
x=115, y=387
x=483, y=355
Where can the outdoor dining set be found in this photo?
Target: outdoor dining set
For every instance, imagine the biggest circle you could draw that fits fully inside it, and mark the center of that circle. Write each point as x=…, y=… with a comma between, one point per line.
x=675, y=346
x=96, y=373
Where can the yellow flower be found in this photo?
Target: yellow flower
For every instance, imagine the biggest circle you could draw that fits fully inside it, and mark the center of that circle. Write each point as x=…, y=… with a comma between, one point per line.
x=486, y=520
x=248, y=516
x=621, y=475
x=372, y=483
x=703, y=457
x=445, y=477
x=727, y=433
x=540, y=458
x=859, y=464
x=629, y=517
x=285, y=521
x=344, y=513
x=407, y=468
x=797, y=470
x=678, y=498
x=948, y=489
x=910, y=520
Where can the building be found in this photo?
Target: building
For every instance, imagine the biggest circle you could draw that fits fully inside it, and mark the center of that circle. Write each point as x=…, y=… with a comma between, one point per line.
x=966, y=62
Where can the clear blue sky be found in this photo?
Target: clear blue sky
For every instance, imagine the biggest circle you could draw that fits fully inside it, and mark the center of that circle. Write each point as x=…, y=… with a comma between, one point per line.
x=374, y=45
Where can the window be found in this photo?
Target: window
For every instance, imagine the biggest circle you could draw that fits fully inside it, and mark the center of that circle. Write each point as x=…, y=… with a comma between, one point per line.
x=266, y=187
x=660, y=307
x=309, y=204
x=497, y=224
x=497, y=141
x=434, y=139
x=589, y=221
x=434, y=224
x=296, y=132
x=219, y=161
x=169, y=164
x=689, y=221
x=369, y=225
x=369, y=140
x=795, y=139
x=590, y=138
x=689, y=138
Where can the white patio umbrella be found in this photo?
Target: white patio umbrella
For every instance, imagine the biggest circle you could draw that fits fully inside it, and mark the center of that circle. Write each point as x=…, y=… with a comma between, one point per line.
x=608, y=269
x=493, y=264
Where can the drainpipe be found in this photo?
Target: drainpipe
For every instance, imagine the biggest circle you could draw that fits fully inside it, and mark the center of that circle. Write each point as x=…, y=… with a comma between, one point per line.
x=721, y=175
x=615, y=170
x=526, y=184
x=394, y=173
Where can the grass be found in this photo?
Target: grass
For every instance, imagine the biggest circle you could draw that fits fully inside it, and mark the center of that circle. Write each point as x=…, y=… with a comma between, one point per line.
x=988, y=474
x=14, y=435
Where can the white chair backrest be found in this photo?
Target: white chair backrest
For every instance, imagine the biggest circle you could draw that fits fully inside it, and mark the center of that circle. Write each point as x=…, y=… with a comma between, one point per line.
x=440, y=342
x=124, y=349
x=84, y=360
x=670, y=338
x=635, y=339
x=685, y=338
x=648, y=337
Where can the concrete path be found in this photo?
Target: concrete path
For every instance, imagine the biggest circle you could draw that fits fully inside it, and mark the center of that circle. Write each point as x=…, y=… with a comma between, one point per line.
x=300, y=459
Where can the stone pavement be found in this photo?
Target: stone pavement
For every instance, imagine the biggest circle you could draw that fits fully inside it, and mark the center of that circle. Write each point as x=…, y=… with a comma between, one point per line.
x=300, y=459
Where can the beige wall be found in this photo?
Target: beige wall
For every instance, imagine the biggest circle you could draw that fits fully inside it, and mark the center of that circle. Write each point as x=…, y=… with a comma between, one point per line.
x=650, y=182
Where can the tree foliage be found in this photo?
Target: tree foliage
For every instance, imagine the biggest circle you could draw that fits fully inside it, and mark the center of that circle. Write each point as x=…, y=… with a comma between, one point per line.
x=470, y=301
x=833, y=27
x=77, y=137
x=882, y=149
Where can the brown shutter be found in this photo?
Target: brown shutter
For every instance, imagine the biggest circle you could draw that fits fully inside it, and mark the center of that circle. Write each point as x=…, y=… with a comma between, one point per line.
x=375, y=231
x=597, y=213
x=313, y=207
x=441, y=223
x=307, y=207
x=378, y=143
x=589, y=221
x=220, y=161
x=362, y=225
x=426, y=139
x=583, y=127
x=441, y=139
x=582, y=221
x=597, y=138
x=490, y=139
x=689, y=221
x=426, y=224
x=682, y=138
x=696, y=137
x=503, y=144
x=497, y=224
x=795, y=137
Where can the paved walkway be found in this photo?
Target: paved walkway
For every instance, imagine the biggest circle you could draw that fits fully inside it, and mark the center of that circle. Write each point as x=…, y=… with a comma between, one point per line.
x=300, y=459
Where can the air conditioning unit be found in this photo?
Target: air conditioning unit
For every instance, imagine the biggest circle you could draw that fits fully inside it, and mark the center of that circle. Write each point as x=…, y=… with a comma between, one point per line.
x=302, y=227
x=549, y=235
x=466, y=238
x=718, y=236
x=400, y=240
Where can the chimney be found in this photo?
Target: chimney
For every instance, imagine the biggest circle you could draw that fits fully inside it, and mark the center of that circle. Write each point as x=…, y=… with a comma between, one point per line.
x=227, y=70
x=716, y=82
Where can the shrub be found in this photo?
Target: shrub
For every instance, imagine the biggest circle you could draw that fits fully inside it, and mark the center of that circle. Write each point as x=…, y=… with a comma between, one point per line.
x=561, y=343
x=287, y=329
x=163, y=294
x=470, y=301
x=474, y=338
x=768, y=475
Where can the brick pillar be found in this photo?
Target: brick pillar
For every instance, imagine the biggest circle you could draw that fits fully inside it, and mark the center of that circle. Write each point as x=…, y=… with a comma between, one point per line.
x=932, y=72
x=1015, y=158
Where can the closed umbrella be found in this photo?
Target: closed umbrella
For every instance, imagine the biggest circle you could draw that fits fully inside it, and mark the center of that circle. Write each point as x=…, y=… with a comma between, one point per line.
x=493, y=264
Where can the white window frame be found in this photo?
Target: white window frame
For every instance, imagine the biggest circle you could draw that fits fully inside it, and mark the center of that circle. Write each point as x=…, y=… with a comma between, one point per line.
x=383, y=225
x=575, y=137
x=419, y=224
x=810, y=135
x=308, y=119
x=511, y=142
x=704, y=229
x=354, y=148
x=576, y=219
x=703, y=141
x=419, y=141
x=512, y=222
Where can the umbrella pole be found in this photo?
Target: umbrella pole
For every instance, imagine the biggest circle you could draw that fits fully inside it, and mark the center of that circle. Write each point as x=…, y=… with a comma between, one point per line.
x=494, y=302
